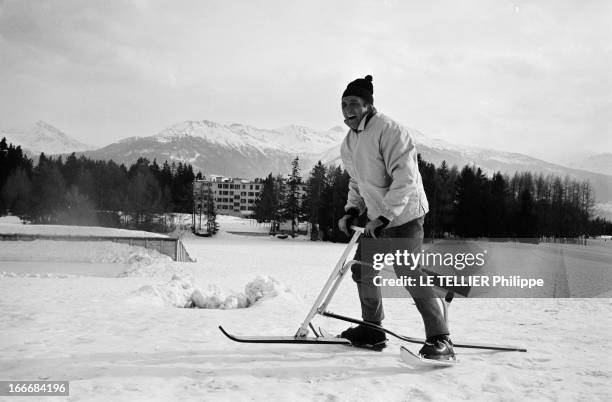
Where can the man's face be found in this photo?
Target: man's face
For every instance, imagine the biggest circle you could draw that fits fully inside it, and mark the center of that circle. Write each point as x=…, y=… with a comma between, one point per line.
x=353, y=110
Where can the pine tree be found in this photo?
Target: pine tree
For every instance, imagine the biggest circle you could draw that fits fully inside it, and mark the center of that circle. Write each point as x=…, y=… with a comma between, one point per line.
x=482, y=204
x=292, y=201
x=315, y=188
x=526, y=219
x=496, y=212
x=266, y=204
x=71, y=169
x=445, y=185
x=280, y=190
x=465, y=202
x=16, y=192
x=48, y=189
x=144, y=193
x=11, y=159
x=430, y=181
x=339, y=197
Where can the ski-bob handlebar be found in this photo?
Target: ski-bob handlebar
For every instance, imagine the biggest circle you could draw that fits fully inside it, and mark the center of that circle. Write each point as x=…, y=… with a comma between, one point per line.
x=357, y=229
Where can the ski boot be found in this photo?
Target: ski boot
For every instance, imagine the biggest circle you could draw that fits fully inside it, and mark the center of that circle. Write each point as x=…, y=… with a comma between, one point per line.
x=366, y=337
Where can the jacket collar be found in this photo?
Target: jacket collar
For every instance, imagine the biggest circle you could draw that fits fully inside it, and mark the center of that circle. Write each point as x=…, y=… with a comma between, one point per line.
x=364, y=122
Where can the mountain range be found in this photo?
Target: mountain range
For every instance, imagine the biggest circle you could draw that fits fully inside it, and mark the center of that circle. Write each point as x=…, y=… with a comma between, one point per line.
x=234, y=150
x=43, y=137
x=239, y=150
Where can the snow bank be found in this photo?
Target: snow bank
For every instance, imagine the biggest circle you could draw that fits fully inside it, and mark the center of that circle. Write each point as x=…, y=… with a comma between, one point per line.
x=48, y=275
x=81, y=251
x=183, y=292
x=263, y=287
x=10, y=220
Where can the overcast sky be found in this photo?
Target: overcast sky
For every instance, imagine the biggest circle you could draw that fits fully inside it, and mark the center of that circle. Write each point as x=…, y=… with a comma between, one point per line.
x=531, y=77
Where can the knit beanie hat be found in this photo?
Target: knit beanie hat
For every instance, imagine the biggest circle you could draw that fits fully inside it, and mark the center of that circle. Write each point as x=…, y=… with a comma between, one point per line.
x=361, y=87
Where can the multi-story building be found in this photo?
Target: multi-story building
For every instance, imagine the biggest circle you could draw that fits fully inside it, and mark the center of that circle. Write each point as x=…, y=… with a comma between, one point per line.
x=231, y=196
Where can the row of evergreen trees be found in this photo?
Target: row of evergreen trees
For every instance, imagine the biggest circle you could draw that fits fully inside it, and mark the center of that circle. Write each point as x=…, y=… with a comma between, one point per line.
x=469, y=204
x=462, y=203
x=322, y=204
x=85, y=191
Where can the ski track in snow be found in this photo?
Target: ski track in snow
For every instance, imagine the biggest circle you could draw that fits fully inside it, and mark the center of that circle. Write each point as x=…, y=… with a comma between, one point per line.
x=93, y=332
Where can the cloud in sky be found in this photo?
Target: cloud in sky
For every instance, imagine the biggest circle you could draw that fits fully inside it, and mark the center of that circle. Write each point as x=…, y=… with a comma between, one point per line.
x=529, y=77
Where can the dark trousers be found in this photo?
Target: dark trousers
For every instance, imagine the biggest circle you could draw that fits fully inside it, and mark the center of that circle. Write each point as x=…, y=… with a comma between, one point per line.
x=410, y=235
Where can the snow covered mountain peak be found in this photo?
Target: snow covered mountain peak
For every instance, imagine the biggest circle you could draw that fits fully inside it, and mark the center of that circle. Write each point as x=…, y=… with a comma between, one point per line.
x=306, y=139
x=43, y=137
x=293, y=138
x=297, y=129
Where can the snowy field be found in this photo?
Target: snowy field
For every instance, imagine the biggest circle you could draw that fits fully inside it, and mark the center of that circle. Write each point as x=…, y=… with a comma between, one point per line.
x=108, y=320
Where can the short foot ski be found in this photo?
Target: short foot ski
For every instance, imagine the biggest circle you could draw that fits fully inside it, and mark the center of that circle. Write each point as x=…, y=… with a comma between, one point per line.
x=285, y=339
x=377, y=347
x=415, y=360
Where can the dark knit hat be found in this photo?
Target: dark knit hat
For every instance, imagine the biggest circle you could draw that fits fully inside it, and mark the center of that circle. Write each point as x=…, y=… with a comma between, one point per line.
x=361, y=87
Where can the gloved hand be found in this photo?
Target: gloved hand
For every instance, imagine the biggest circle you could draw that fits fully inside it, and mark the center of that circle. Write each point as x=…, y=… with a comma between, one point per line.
x=344, y=224
x=374, y=227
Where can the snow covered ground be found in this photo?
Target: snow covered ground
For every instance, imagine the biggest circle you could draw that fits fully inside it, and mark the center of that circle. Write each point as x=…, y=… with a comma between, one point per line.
x=122, y=337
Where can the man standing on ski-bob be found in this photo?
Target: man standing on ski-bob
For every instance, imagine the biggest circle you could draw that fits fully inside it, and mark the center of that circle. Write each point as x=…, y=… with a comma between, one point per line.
x=381, y=159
